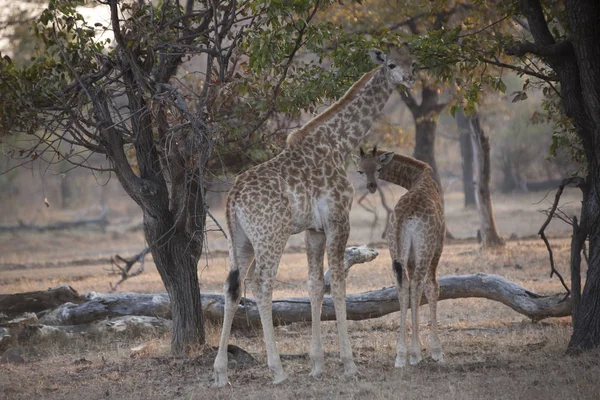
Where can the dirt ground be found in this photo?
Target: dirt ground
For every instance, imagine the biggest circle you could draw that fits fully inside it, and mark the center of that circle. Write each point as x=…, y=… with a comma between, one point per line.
x=491, y=351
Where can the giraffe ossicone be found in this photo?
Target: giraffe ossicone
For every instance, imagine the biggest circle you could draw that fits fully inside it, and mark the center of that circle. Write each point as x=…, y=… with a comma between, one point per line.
x=415, y=238
x=304, y=188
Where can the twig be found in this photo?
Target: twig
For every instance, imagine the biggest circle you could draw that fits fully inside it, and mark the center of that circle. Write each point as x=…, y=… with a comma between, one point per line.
x=128, y=264
x=216, y=223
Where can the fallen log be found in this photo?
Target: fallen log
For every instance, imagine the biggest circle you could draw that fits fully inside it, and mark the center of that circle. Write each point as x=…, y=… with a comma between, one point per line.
x=297, y=309
x=130, y=325
x=100, y=220
x=19, y=303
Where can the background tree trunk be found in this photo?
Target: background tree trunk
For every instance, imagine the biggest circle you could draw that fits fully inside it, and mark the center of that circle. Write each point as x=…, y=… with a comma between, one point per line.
x=466, y=153
x=426, y=117
x=481, y=156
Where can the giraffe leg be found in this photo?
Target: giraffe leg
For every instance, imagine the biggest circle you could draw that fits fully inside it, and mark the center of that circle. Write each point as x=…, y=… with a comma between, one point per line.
x=315, y=248
x=403, y=297
x=432, y=292
x=336, y=242
x=416, y=288
x=232, y=290
x=266, y=269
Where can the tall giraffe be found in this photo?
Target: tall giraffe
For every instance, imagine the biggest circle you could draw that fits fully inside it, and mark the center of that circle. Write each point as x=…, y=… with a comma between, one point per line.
x=304, y=188
x=415, y=239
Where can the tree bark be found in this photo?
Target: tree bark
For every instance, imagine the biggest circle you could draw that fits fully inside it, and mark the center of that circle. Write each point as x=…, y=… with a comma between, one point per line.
x=481, y=155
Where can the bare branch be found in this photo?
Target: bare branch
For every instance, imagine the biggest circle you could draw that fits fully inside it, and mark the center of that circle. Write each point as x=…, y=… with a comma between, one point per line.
x=543, y=77
x=129, y=263
x=570, y=182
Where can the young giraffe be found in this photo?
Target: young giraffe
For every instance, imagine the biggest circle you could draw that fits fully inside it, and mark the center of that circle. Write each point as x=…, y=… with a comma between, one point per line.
x=415, y=238
x=304, y=188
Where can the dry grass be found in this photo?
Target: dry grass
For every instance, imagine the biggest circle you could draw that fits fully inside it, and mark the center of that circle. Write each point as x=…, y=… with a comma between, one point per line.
x=491, y=351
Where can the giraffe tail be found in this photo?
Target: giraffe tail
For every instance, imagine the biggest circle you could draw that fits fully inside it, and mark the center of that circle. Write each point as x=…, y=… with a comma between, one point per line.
x=233, y=283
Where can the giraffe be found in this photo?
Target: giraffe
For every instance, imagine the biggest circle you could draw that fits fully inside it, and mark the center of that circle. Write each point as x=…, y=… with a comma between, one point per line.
x=415, y=239
x=304, y=188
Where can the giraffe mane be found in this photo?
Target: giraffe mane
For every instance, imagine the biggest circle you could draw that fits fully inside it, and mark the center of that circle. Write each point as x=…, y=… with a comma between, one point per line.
x=401, y=158
x=298, y=134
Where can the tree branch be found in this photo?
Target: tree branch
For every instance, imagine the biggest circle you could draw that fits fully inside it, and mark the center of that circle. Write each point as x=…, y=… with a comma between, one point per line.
x=552, y=50
x=543, y=77
x=537, y=22
x=571, y=182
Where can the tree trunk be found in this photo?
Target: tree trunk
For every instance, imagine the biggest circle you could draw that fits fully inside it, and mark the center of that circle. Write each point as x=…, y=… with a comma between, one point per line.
x=586, y=319
x=425, y=129
x=466, y=153
x=481, y=155
x=426, y=117
x=176, y=257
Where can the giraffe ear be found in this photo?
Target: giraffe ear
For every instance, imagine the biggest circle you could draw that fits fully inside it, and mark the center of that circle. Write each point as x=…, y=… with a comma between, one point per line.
x=375, y=150
x=386, y=157
x=362, y=152
x=377, y=55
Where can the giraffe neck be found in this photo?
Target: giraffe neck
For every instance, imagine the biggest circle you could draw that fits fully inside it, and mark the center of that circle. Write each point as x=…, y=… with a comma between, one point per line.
x=345, y=124
x=404, y=171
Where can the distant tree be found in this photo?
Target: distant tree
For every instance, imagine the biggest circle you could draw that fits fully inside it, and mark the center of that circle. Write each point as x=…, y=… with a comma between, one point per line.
x=480, y=144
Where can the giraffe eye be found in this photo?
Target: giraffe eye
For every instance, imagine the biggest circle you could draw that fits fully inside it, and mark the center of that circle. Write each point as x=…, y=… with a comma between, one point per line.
x=379, y=169
x=360, y=172
x=391, y=66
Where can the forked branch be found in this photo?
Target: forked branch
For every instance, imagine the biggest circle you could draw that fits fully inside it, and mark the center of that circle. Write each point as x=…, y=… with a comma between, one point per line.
x=127, y=265
x=570, y=182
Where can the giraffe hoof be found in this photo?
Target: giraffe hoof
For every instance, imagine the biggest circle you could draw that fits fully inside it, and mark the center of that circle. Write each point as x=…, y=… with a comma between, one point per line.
x=415, y=359
x=400, y=362
x=220, y=383
x=350, y=370
x=316, y=373
x=280, y=378
x=437, y=355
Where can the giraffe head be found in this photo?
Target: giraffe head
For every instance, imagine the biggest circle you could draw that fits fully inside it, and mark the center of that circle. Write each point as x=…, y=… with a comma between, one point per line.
x=397, y=64
x=369, y=165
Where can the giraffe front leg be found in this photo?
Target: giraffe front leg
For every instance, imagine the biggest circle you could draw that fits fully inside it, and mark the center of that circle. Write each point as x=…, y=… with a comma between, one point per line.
x=315, y=249
x=336, y=244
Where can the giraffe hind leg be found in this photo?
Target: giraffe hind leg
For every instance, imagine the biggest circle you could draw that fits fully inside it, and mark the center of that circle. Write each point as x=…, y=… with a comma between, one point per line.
x=237, y=273
x=399, y=265
x=432, y=292
x=264, y=274
x=315, y=247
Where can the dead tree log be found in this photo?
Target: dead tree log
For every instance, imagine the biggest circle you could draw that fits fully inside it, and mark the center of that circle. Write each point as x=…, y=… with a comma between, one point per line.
x=19, y=303
x=297, y=309
x=130, y=325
